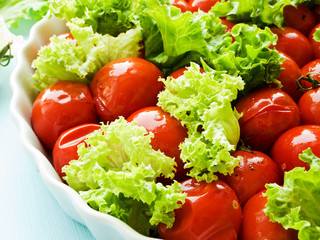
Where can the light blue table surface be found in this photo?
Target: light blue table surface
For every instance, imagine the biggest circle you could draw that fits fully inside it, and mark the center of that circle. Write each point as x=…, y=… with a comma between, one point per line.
x=28, y=211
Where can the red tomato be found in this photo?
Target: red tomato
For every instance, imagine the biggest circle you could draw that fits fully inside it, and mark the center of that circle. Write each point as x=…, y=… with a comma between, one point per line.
x=315, y=44
x=211, y=212
x=300, y=18
x=316, y=12
x=267, y=113
x=293, y=43
x=309, y=106
x=168, y=134
x=124, y=86
x=254, y=171
x=183, y=5
x=313, y=68
x=228, y=24
x=285, y=151
x=289, y=76
x=203, y=5
x=180, y=72
x=59, y=107
x=66, y=147
x=257, y=226
x=65, y=36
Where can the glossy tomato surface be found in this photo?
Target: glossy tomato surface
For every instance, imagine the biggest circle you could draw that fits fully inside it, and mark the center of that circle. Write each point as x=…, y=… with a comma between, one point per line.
x=124, y=86
x=211, y=212
x=266, y=113
x=203, y=5
x=59, y=107
x=181, y=71
x=66, y=147
x=289, y=76
x=285, y=152
x=168, y=134
x=257, y=226
x=313, y=69
x=250, y=176
x=314, y=44
x=293, y=43
x=309, y=106
x=183, y=5
x=300, y=18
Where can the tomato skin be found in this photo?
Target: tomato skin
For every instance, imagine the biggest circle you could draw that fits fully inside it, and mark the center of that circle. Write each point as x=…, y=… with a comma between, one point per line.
x=68, y=36
x=66, y=147
x=300, y=18
x=289, y=76
x=59, y=107
x=203, y=5
x=309, y=105
x=267, y=113
x=313, y=68
x=314, y=44
x=229, y=24
x=183, y=5
x=286, y=149
x=211, y=212
x=257, y=226
x=250, y=176
x=316, y=12
x=293, y=43
x=168, y=134
x=124, y=86
x=181, y=71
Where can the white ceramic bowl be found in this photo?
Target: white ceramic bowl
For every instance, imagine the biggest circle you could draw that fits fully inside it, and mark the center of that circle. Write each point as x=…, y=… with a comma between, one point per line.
x=102, y=226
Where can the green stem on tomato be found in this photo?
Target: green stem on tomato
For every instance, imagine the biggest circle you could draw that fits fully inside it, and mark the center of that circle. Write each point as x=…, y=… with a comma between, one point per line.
x=314, y=83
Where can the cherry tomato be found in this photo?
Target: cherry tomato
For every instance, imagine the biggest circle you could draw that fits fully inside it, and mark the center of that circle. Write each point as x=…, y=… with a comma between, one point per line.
x=293, y=43
x=313, y=69
x=229, y=24
x=68, y=36
x=168, y=134
x=309, y=106
x=314, y=44
x=285, y=151
x=66, y=147
x=257, y=226
x=124, y=86
x=211, y=212
x=203, y=5
x=300, y=18
x=267, y=113
x=316, y=12
x=59, y=107
x=250, y=176
x=181, y=71
x=183, y=5
x=289, y=76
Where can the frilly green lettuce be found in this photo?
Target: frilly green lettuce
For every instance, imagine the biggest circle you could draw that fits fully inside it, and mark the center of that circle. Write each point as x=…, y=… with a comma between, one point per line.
x=296, y=204
x=116, y=173
x=64, y=60
x=202, y=102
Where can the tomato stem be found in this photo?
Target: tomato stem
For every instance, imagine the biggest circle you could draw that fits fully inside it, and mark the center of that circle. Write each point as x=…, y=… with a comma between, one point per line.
x=314, y=83
x=4, y=57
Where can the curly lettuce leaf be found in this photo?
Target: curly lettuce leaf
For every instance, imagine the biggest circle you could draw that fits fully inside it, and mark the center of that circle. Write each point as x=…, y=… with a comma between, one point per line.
x=262, y=13
x=64, y=60
x=202, y=102
x=14, y=10
x=250, y=56
x=296, y=204
x=116, y=173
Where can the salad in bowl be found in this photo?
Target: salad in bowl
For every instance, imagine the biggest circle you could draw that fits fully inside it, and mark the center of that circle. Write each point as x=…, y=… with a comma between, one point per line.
x=162, y=119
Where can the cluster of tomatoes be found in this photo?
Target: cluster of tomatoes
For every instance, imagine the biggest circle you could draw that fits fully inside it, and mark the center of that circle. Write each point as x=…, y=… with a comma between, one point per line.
x=277, y=124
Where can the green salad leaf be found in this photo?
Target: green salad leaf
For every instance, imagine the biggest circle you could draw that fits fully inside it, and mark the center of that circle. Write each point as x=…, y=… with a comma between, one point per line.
x=296, y=204
x=14, y=10
x=64, y=60
x=202, y=102
x=116, y=173
x=262, y=13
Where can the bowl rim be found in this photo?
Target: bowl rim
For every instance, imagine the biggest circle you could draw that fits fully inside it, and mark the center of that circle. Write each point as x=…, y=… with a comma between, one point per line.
x=34, y=148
